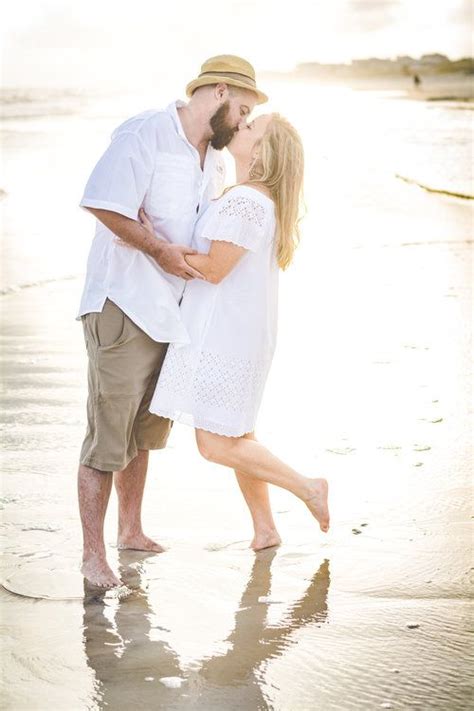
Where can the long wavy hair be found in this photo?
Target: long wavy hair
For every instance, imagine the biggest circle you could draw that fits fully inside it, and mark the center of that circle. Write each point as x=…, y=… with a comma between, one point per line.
x=279, y=166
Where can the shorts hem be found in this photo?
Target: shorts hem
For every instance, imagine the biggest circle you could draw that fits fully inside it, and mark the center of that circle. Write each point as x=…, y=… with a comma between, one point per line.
x=148, y=448
x=100, y=466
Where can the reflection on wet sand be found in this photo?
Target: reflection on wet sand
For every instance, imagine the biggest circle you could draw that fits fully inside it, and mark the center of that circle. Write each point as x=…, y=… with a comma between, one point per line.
x=128, y=663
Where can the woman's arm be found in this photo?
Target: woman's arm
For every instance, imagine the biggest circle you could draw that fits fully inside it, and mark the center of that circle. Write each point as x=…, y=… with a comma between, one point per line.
x=222, y=258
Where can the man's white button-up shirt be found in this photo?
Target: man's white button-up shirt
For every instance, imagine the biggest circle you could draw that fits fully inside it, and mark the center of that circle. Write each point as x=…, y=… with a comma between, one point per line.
x=149, y=163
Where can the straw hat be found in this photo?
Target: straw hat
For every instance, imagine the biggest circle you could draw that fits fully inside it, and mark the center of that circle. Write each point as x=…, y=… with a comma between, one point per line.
x=228, y=69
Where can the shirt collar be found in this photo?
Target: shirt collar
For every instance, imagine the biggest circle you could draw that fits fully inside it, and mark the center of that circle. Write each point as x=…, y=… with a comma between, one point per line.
x=172, y=109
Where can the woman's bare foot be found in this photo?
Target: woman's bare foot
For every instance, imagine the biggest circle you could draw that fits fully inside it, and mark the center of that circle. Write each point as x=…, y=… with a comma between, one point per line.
x=317, y=501
x=139, y=542
x=97, y=571
x=265, y=539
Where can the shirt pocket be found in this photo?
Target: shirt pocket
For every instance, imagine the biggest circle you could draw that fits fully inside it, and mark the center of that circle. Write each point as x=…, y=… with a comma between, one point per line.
x=174, y=186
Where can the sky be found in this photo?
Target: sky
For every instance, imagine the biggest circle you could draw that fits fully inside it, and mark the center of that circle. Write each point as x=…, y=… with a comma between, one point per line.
x=87, y=42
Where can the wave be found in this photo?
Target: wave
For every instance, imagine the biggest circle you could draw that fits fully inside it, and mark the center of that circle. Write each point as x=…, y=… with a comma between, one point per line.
x=451, y=193
x=35, y=103
x=13, y=289
x=450, y=97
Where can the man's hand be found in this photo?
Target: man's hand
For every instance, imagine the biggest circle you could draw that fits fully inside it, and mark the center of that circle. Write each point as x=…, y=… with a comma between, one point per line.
x=170, y=257
x=141, y=235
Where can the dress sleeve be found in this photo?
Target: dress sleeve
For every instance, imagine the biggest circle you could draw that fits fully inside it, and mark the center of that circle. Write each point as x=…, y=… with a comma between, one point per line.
x=238, y=219
x=122, y=176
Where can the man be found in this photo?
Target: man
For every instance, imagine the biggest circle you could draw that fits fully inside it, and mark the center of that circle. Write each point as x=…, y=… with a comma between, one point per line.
x=169, y=163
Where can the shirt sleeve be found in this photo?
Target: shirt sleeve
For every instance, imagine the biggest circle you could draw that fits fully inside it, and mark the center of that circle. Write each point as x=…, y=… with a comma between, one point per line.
x=238, y=219
x=121, y=178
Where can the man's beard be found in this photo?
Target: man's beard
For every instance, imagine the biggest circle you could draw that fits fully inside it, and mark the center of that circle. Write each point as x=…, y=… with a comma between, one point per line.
x=222, y=132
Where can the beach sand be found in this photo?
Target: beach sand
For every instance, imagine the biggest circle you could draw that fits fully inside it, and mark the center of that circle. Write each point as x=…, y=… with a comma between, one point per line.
x=371, y=387
x=374, y=395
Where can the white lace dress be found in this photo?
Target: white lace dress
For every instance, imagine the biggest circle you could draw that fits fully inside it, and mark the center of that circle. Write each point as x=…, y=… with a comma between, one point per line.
x=216, y=382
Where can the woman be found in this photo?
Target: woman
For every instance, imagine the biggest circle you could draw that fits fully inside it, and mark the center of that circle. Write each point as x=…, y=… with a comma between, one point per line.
x=215, y=383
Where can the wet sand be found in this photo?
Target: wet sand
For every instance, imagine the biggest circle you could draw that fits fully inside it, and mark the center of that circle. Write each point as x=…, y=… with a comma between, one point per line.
x=371, y=388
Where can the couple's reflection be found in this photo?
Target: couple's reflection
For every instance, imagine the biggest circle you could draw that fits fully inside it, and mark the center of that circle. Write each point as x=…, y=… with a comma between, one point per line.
x=123, y=654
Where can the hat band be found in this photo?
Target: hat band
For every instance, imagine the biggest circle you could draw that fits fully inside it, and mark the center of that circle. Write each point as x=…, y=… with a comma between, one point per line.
x=234, y=75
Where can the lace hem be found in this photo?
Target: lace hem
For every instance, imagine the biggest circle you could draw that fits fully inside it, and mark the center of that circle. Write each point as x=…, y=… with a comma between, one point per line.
x=212, y=381
x=200, y=423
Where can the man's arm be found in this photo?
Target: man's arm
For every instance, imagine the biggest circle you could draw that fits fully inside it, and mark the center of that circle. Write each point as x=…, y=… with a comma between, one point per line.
x=222, y=257
x=170, y=257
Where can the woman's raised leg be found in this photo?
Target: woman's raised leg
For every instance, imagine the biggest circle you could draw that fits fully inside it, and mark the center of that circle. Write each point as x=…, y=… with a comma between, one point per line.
x=252, y=458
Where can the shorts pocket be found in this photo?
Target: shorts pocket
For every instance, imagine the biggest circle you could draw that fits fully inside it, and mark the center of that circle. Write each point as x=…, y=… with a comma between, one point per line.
x=110, y=326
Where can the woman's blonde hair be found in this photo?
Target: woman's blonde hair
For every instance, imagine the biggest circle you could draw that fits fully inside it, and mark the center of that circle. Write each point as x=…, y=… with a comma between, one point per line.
x=279, y=166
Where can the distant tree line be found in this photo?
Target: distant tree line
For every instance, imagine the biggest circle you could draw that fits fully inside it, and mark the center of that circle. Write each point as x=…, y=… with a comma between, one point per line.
x=428, y=64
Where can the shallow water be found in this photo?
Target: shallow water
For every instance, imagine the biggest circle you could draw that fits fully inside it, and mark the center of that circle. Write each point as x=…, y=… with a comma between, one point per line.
x=370, y=386
x=356, y=142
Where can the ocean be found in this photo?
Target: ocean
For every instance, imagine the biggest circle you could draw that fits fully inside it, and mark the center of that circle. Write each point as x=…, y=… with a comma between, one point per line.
x=356, y=143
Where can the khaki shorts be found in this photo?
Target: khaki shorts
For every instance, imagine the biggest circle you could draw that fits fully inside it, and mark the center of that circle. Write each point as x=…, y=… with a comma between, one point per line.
x=124, y=364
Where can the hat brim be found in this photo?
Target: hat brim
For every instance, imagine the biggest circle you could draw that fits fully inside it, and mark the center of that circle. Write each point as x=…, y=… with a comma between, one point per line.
x=214, y=79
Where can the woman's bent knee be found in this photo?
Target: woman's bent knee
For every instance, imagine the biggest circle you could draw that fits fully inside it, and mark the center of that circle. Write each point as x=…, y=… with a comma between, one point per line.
x=212, y=447
x=205, y=445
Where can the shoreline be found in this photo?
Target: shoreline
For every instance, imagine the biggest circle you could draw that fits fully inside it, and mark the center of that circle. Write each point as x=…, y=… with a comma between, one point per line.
x=450, y=87
x=437, y=191
x=366, y=612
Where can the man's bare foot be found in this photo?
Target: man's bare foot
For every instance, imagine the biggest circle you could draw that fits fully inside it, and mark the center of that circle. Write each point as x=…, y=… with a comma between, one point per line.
x=265, y=539
x=96, y=570
x=139, y=542
x=317, y=502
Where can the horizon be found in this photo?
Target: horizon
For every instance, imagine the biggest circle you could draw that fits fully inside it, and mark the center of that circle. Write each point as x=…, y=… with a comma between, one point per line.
x=263, y=71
